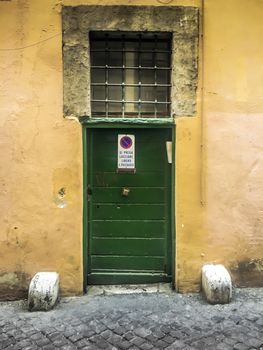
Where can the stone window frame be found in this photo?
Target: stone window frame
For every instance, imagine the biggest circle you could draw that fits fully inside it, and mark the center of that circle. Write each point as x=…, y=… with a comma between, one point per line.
x=78, y=21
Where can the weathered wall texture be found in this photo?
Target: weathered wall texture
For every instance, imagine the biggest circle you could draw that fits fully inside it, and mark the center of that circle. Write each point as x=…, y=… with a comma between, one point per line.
x=41, y=160
x=229, y=228
x=40, y=153
x=234, y=133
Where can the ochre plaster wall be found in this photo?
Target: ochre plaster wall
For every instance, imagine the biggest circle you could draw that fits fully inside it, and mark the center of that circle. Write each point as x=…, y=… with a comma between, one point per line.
x=219, y=190
x=40, y=154
x=233, y=111
x=218, y=152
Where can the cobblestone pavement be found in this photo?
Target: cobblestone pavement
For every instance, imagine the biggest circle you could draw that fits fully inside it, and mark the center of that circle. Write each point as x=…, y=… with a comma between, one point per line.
x=144, y=321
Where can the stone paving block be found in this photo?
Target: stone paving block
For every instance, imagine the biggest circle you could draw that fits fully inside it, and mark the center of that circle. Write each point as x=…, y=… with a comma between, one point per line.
x=129, y=335
x=60, y=341
x=146, y=346
x=137, y=341
x=230, y=341
x=68, y=347
x=36, y=336
x=106, y=334
x=255, y=342
x=73, y=326
x=178, y=344
x=241, y=346
x=13, y=347
x=43, y=291
x=125, y=345
x=42, y=342
x=216, y=284
x=115, y=339
x=120, y=330
x=157, y=332
x=23, y=343
x=224, y=346
x=152, y=338
x=53, y=335
x=168, y=339
x=75, y=337
x=82, y=343
x=48, y=347
x=160, y=344
x=142, y=332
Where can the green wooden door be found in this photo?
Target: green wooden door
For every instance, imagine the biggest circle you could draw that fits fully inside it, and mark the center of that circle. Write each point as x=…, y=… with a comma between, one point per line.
x=129, y=237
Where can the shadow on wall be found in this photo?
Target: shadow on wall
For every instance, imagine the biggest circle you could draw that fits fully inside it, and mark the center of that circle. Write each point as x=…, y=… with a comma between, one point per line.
x=14, y=285
x=248, y=273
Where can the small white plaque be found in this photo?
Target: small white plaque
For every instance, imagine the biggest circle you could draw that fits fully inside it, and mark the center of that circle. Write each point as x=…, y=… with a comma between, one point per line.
x=126, y=152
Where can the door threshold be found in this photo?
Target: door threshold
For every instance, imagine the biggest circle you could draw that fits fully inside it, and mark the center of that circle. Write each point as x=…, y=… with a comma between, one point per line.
x=129, y=289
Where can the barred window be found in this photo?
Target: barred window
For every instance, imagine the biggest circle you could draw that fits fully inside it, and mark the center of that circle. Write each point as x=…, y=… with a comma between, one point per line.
x=130, y=74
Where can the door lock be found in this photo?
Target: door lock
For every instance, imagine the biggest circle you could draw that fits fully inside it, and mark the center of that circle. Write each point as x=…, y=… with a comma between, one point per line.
x=125, y=192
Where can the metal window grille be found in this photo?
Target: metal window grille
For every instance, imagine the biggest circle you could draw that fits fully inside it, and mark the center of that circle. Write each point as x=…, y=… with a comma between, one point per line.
x=130, y=74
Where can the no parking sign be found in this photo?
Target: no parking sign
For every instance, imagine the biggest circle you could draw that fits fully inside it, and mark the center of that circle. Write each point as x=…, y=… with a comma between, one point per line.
x=126, y=152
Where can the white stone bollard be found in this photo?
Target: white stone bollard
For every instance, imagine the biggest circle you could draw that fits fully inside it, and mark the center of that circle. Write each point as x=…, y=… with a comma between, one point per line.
x=216, y=284
x=43, y=291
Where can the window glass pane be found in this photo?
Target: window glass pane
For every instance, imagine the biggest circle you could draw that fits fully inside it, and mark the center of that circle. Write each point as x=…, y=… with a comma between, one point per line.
x=98, y=58
x=147, y=76
x=115, y=58
x=115, y=76
x=115, y=44
x=131, y=93
x=132, y=45
x=163, y=45
x=98, y=107
x=147, y=94
x=146, y=59
x=162, y=94
x=131, y=109
x=114, y=93
x=98, y=75
x=162, y=59
x=131, y=59
x=131, y=76
x=147, y=109
x=98, y=44
x=115, y=109
x=148, y=45
x=98, y=92
x=163, y=110
x=163, y=76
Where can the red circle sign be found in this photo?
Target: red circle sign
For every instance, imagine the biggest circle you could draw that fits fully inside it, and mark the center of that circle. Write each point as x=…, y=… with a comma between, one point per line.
x=126, y=142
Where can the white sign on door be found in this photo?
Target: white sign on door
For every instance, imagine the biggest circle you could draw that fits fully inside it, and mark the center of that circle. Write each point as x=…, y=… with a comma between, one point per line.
x=126, y=152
